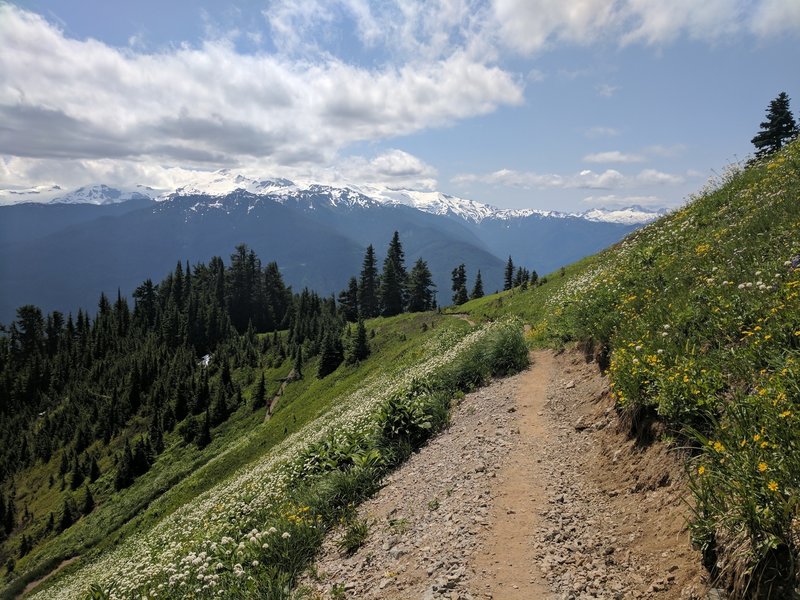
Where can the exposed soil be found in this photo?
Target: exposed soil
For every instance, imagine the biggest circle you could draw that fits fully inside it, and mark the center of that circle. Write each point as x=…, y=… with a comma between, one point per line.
x=535, y=491
x=62, y=565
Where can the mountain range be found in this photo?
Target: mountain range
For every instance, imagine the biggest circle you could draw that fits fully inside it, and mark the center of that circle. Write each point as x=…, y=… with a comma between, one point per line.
x=61, y=253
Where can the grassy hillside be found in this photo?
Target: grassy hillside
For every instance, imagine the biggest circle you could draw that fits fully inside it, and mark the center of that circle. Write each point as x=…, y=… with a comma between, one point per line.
x=250, y=518
x=697, y=318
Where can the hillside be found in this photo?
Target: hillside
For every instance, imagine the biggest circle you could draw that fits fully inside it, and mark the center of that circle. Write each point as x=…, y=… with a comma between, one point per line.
x=696, y=319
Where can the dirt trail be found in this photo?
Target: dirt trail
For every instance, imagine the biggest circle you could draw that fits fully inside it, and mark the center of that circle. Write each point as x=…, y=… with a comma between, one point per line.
x=535, y=491
x=36, y=583
x=507, y=563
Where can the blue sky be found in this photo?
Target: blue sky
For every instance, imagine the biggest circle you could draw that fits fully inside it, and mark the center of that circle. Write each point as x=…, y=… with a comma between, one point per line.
x=552, y=104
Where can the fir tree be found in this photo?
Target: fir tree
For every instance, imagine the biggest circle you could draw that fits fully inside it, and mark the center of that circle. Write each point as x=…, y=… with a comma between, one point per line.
x=331, y=355
x=67, y=514
x=420, y=287
x=477, y=290
x=393, y=279
x=779, y=128
x=459, y=287
x=368, y=301
x=348, y=301
x=219, y=407
x=204, y=438
x=298, y=363
x=76, y=476
x=358, y=348
x=508, y=280
x=94, y=470
x=124, y=476
x=87, y=503
x=260, y=396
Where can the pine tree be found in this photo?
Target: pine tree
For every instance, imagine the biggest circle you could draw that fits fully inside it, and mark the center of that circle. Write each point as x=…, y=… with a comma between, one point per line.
x=348, y=301
x=508, y=281
x=393, y=279
x=477, y=290
x=67, y=514
x=204, y=438
x=358, y=348
x=298, y=363
x=94, y=470
x=87, y=503
x=368, y=302
x=76, y=476
x=331, y=355
x=779, y=128
x=459, y=287
x=534, y=278
x=260, y=396
x=124, y=475
x=219, y=407
x=420, y=287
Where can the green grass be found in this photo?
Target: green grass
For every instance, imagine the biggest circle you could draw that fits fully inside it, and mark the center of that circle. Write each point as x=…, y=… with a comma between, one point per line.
x=698, y=316
x=183, y=472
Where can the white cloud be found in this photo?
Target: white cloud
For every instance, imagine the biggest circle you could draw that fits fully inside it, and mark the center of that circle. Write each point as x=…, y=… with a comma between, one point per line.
x=586, y=179
x=63, y=98
x=776, y=17
x=531, y=26
x=613, y=156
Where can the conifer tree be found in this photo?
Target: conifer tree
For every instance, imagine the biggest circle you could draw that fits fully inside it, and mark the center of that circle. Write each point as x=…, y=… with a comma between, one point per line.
x=393, y=279
x=348, y=301
x=358, y=348
x=420, y=287
x=298, y=363
x=87, y=503
x=204, y=438
x=779, y=128
x=260, y=396
x=368, y=301
x=331, y=355
x=124, y=476
x=94, y=470
x=219, y=407
x=508, y=280
x=477, y=290
x=76, y=475
x=459, y=287
x=67, y=514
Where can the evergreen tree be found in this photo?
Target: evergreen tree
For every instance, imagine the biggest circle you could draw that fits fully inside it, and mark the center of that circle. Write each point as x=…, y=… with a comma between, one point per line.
x=204, y=438
x=393, y=279
x=508, y=280
x=219, y=407
x=94, y=470
x=420, y=287
x=67, y=514
x=348, y=301
x=76, y=476
x=368, y=301
x=358, y=349
x=534, y=278
x=260, y=396
x=459, y=287
x=477, y=290
x=331, y=355
x=298, y=363
x=779, y=128
x=87, y=503
x=124, y=476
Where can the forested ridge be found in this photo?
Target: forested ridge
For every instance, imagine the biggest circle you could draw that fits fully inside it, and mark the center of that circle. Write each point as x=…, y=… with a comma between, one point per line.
x=83, y=395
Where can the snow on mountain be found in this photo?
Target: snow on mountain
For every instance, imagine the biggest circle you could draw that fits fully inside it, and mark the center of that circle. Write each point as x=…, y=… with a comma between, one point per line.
x=103, y=194
x=631, y=215
x=219, y=184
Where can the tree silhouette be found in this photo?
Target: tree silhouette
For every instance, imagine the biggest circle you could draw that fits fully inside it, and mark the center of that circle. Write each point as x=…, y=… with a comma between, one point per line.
x=779, y=127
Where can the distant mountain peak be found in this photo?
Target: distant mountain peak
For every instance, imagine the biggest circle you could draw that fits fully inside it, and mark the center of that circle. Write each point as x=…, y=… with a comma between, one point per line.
x=103, y=194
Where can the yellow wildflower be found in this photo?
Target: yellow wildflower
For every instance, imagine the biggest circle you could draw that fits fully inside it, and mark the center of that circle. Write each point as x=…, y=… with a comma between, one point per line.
x=701, y=469
x=762, y=466
x=773, y=486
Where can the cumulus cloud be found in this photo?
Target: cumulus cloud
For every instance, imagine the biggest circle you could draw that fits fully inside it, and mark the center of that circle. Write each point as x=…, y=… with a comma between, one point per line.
x=531, y=26
x=67, y=98
x=586, y=179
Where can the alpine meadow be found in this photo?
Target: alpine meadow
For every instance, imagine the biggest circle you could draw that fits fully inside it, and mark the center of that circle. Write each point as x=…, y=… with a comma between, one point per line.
x=399, y=300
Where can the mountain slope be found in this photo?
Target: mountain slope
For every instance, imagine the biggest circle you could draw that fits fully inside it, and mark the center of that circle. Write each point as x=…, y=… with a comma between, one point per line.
x=696, y=319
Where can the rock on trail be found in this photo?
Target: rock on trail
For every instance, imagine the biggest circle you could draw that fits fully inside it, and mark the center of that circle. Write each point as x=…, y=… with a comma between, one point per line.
x=534, y=491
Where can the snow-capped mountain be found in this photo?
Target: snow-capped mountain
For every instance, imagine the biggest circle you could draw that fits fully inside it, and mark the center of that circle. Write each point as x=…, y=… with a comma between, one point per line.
x=101, y=194
x=215, y=186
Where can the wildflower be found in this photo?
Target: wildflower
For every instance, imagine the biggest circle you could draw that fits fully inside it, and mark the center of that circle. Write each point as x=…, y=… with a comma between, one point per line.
x=701, y=469
x=255, y=563
x=784, y=414
x=762, y=466
x=756, y=437
x=719, y=447
x=286, y=535
x=773, y=486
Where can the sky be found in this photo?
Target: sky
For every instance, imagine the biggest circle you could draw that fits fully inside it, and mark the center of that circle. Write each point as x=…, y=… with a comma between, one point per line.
x=550, y=104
